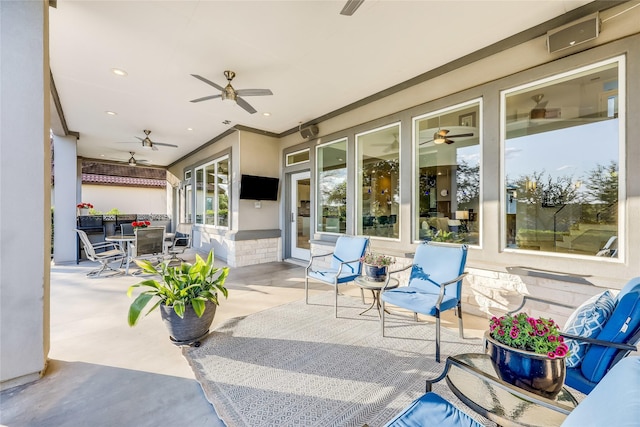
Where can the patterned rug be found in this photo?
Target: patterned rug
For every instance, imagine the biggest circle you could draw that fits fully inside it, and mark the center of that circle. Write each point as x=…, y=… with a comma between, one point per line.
x=297, y=365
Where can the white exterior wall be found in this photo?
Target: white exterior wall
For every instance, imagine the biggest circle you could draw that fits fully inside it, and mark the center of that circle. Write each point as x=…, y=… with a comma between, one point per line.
x=127, y=199
x=64, y=201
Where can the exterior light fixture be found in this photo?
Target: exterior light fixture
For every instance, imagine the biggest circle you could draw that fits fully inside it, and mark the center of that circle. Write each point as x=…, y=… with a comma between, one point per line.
x=119, y=72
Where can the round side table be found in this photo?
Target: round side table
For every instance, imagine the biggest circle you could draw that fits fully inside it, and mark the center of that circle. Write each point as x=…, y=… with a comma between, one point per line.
x=375, y=288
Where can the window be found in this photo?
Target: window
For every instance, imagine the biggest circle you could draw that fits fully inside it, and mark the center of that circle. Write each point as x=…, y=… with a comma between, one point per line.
x=447, y=187
x=562, y=161
x=331, y=170
x=378, y=153
x=212, y=193
x=301, y=156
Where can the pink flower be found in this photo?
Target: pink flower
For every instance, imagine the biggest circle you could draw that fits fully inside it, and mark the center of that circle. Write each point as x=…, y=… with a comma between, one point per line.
x=551, y=338
x=515, y=332
x=551, y=355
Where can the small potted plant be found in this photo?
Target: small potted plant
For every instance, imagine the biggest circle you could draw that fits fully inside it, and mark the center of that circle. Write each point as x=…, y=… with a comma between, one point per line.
x=140, y=224
x=375, y=266
x=528, y=352
x=186, y=294
x=83, y=208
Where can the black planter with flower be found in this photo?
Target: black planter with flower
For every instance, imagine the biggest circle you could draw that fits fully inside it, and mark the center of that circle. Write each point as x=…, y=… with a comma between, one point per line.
x=375, y=266
x=528, y=353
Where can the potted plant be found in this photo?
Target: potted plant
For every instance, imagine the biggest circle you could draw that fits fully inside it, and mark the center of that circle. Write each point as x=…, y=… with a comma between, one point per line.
x=140, y=224
x=83, y=208
x=186, y=294
x=375, y=266
x=528, y=352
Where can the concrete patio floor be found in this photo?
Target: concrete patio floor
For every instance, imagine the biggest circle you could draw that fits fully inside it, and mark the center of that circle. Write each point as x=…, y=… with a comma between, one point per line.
x=102, y=372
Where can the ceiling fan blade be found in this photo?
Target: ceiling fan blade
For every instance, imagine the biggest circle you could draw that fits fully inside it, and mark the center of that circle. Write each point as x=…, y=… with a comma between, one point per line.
x=244, y=104
x=427, y=141
x=209, y=82
x=141, y=139
x=460, y=135
x=253, y=92
x=164, y=144
x=153, y=147
x=205, y=98
x=351, y=7
x=448, y=141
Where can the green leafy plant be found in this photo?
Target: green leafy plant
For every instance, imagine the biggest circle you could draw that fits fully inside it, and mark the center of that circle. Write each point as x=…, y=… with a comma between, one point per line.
x=378, y=260
x=180, y=286
x=523, y=332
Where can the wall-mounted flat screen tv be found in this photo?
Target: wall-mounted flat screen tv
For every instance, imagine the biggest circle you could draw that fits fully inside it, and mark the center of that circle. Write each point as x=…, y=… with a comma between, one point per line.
x=258, y=187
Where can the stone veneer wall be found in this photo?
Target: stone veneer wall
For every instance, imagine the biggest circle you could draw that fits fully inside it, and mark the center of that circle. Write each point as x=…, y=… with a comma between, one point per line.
x=486, y=293
x=249, y=252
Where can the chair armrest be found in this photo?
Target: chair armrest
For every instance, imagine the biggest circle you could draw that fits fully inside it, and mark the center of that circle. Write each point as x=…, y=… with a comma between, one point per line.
x=314, y=257
x=104, y=245
x=386, y=283
x=526, y=298
x=444, y=285
x=598, y=342
x=342, y=264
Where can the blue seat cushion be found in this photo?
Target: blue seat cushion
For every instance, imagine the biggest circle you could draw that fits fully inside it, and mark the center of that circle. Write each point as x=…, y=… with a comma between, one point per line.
x=615, y=401
x=587, y=321
x=432, y=410
x=575, y=379
x=624, y=322
x=418, y=301
x=328, y=275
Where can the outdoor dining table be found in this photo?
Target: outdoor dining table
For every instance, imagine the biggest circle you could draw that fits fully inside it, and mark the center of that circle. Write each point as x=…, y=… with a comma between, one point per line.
x=126, y=240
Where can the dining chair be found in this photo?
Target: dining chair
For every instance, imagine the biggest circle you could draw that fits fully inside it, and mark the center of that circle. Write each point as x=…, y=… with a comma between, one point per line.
x=180, y=243
x=148, y=244
x=434, y=285
x=345, y=265
x=104, y=253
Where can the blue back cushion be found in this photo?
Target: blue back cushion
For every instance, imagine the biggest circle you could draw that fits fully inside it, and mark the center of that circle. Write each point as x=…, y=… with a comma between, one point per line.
x=435, y=264
x=631, y=286
x=349, y=248
x=587, y=321
x=621, y=326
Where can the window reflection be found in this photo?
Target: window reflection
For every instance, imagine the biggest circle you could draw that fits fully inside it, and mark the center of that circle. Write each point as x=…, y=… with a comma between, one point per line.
x=448, y=175
x=379, y=181
x=212, y=193
x=332, y=187
x=562, y=163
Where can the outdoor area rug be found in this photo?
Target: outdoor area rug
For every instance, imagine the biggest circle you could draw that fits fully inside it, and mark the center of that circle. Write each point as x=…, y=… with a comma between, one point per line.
x=297, y=365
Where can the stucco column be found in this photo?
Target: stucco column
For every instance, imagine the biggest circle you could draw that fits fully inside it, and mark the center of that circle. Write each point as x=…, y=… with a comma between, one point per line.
x=25, y=212
x=64, y=199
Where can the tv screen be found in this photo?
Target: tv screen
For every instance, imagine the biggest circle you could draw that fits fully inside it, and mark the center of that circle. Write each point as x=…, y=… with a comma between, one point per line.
x=258, y=187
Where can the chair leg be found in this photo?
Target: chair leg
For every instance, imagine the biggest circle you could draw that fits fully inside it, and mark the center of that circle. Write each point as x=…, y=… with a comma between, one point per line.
x=415, y=317
x=460, y=328
x=382, y=318
x=438, y=336
x=362, y=295
x=306, y=290
x=335, y=303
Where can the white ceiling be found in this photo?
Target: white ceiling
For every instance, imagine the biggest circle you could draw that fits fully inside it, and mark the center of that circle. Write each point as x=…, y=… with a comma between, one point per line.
x=313, y=59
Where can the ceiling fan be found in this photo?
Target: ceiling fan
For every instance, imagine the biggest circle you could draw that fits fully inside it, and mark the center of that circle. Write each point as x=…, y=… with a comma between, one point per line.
x=389, y=147
x=229, y=93
x=539, y=111
x=442, y=137
x=350, y=7
x=147, y=144
x=133, y=161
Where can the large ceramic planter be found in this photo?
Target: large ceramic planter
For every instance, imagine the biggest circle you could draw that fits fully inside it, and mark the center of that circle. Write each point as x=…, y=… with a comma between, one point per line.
x=375, y=273
x=531, y=371
x=191, y=327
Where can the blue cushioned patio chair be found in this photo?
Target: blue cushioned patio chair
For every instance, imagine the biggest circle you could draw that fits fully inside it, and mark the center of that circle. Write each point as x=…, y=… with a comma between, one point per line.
x=619, y=336
x=615, y=401
x=345, y=265
x=435, y=285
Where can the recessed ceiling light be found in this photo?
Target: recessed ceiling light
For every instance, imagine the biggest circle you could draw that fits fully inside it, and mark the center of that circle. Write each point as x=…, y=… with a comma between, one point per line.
x=266, y=114
x=119, y=72
x=101, y=155
x=189, y=129
x=111, y=113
